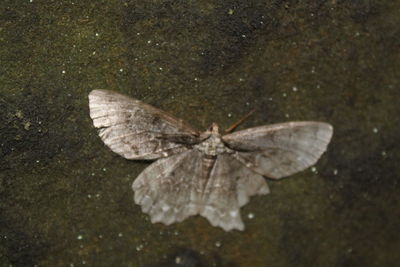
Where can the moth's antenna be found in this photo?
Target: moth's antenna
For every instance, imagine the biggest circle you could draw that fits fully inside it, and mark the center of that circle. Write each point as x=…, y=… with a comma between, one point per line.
x=236, y=124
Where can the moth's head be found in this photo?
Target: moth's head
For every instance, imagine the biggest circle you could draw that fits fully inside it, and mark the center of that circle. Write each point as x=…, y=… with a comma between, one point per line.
x=214, y=128
x=211, y=131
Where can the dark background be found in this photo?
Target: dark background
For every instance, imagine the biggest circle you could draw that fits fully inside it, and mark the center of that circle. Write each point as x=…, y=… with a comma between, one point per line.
x=66, y=200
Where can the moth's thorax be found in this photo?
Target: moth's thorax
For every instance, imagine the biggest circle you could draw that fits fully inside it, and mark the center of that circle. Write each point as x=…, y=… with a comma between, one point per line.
x=213, y=145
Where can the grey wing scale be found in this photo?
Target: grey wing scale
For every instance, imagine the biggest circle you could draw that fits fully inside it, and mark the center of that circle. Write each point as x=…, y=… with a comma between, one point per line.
x=279, y=150
x=174, y=188
x=134, y=129
x=168, y=189
x=228, y=188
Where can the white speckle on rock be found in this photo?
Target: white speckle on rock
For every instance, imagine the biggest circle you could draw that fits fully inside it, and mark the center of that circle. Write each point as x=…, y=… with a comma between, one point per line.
x=79, y=237
x=250, y=215
x=218, y=244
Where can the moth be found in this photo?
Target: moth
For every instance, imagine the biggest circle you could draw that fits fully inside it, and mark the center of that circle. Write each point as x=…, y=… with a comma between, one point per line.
x=202, y=173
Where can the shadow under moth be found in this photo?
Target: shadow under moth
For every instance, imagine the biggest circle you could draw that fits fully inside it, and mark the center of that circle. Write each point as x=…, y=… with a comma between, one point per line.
x=206, y=173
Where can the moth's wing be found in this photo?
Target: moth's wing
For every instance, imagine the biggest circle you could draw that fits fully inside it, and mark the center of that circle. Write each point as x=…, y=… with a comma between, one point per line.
x=134, y=129
x=279, y=150
x=228, y=188
x=168, y=189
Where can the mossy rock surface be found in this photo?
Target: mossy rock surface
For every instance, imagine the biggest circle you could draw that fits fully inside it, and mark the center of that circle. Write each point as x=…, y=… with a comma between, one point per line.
x=66, y=199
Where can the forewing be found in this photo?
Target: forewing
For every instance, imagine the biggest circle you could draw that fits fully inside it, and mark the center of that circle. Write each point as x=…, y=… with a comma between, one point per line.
x=228, y=188
x=279, y=150
x=168, y=189
x=136, y=130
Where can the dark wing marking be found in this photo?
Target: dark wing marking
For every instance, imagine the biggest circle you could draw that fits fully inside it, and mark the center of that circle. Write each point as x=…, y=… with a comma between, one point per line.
x=228, y=188
x=136, y=130
x=168, y=190
x=279, y=150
